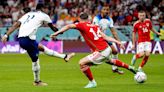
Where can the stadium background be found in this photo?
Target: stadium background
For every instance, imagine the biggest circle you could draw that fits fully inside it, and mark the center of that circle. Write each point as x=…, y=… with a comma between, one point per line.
x=62, y=12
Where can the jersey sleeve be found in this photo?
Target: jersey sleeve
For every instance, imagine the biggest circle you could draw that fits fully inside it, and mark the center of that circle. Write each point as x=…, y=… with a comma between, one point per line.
x=111, y=23
x=47, y=19
x=95, y=21
x=23, y=18
x=150, y=25
x=78, y=26
x=134, y=28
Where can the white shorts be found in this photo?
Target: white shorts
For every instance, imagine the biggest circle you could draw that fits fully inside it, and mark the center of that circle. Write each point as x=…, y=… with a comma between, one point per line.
x=144, y=46
x=98, y=57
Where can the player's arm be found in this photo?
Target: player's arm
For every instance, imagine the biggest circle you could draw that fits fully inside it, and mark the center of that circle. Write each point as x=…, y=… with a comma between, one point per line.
x=65, y=28
x=153, y=30
x=114, y=33
x=52, y=27
x=133, y=40
x=48, y=20
x=135, y=30
x=113, y=30
x=107, y=38
x=10, y=30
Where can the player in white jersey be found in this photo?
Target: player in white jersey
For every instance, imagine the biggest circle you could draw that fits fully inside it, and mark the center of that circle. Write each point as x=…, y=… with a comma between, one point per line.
x=29, y=23
x=48, y=51
x=105, y=22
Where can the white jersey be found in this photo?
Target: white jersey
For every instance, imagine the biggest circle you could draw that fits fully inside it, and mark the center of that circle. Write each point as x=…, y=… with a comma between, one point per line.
x=30, y=22
x=104, y=23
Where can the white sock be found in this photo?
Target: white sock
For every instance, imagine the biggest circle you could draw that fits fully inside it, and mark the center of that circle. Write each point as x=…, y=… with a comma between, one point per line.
x=133, y=60
x=93, y=81
x=36, y=70
x=114, y=57
x=53, y=53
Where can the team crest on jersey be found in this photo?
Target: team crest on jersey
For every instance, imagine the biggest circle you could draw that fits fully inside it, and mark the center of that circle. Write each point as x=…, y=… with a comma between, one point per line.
x=147, y=24
x=140, y=26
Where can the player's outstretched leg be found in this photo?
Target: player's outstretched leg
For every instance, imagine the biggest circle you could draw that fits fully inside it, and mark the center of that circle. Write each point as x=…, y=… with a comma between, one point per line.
x=122, y=64
x=50, y=52
x=69, y=56
x=85, y=68
x=115, y=69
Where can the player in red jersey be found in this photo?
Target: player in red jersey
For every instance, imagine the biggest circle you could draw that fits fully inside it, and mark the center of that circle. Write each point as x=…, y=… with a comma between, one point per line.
x=143, y=27
x=96, y=40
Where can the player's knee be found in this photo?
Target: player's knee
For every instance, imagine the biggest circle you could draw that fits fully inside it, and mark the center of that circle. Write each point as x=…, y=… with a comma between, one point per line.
x=40, y=47
x=34, y=55
x=84, y=67
x=147, y=53
x=34, y=59
x=81, y=62
x=114, y=52
x=141, y=54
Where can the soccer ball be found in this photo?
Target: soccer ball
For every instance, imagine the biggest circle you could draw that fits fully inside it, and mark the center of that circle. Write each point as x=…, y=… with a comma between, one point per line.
x=104, y=24
x=140, y=77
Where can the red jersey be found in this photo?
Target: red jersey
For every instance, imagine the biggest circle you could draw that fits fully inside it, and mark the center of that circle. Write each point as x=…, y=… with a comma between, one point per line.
x=143, y=29
x=91, y=35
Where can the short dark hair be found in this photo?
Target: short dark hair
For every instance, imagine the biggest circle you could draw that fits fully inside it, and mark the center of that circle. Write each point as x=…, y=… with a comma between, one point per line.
x=141, y=11
x=84, y=16
x=26, y=9
x=40, y=6
x=105, y=5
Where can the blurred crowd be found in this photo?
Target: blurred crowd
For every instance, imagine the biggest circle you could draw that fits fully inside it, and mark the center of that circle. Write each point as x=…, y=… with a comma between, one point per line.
x=62, y=12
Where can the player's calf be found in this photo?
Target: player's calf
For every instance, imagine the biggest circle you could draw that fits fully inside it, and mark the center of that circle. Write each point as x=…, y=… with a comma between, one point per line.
x=135, y=57
x=36, y=70
x=86, y=70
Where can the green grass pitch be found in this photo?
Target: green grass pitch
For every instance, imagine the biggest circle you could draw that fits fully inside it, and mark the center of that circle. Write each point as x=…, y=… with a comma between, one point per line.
x=16, y=75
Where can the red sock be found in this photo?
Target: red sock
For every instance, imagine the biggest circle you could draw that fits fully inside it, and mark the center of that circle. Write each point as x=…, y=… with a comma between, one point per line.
x=120, y=63
x=86, y=70
x=144, y=61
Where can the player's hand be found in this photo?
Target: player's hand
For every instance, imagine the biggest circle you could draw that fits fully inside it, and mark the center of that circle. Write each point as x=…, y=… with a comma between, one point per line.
x=4, y=39
x=122, y=46
x=160, y=34
x=53, y=35
x=133, y=47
